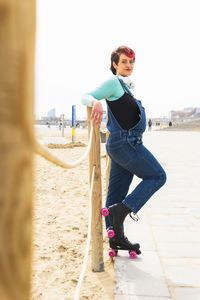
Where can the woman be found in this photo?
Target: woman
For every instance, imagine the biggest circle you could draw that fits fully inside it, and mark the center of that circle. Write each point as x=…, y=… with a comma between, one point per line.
x=126, y=124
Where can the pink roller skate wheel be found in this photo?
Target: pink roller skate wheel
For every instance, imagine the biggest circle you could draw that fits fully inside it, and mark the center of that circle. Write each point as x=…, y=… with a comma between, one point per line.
x=132, y=254
x=104, y=212
x=111, y=253
x=111, y=233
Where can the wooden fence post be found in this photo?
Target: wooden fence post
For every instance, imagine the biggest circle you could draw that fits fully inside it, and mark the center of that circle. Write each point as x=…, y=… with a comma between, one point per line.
x=96, y=230
x=17, y=43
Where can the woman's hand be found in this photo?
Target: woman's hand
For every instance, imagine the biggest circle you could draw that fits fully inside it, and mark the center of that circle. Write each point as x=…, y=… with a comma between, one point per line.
x=97, y=112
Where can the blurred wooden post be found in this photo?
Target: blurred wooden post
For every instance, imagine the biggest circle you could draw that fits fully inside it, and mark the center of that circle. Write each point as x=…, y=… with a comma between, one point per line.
x=97, y=235
x=17, y=42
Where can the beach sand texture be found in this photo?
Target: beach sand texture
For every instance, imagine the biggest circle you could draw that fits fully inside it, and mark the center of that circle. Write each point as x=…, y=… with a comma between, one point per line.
x=61, y=199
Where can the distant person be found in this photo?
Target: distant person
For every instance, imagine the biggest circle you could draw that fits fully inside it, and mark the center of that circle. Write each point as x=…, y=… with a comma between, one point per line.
x=126, y=124
x=149, y=124
x=170, y=124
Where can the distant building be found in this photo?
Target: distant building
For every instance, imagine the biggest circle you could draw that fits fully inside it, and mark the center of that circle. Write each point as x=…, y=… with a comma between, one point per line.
x=189, y=112
x=51, y=113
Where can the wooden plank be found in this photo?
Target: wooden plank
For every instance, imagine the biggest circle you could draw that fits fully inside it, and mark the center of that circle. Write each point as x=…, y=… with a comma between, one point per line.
x=96, y=230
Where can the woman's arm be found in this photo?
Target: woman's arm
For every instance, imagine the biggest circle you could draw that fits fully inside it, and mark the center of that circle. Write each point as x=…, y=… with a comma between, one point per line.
x=110, y=89
x=97, y=108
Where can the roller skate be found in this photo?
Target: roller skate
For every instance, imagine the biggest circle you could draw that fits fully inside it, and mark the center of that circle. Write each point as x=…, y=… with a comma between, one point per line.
x=117, y=214
x=122, y=243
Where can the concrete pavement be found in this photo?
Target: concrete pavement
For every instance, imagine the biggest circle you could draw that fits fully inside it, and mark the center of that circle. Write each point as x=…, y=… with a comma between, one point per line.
x=168, y=229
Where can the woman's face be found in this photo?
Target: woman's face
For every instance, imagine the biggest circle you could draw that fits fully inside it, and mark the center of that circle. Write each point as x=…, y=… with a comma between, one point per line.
x=125, y=65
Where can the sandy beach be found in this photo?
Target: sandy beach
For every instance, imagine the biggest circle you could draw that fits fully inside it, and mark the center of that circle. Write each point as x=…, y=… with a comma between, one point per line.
x=61, y=201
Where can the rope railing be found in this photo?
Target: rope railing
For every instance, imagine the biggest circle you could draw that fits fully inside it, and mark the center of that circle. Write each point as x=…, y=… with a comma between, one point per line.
x=107, y=165
x=41, y=150
x=78, y=287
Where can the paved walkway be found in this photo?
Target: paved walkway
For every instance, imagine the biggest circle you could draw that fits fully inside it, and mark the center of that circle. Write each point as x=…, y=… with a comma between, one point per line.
x=169, y=227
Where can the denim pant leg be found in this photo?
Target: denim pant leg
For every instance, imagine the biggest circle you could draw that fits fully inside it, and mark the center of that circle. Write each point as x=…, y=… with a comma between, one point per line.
x=145, y=166
x=119, y=182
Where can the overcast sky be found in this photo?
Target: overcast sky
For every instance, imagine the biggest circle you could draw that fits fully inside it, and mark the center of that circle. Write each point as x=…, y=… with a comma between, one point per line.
x=75, y=39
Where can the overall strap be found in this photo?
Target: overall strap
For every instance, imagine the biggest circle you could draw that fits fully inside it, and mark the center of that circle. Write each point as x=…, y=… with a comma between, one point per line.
x=125, y=88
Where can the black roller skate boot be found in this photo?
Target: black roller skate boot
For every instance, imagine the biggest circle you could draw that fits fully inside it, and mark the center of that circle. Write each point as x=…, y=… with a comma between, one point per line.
x=117, y=215
x=122, y=243
x=119, y=241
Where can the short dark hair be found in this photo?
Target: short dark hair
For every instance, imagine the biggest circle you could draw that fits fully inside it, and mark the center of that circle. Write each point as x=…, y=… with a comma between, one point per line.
x=116, y=54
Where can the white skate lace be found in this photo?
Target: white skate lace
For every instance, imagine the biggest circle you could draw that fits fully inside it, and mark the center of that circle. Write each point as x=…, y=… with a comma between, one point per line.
x=134, y=217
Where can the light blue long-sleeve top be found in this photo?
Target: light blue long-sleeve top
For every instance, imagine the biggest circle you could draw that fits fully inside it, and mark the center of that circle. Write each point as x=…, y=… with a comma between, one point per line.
x=110, y=89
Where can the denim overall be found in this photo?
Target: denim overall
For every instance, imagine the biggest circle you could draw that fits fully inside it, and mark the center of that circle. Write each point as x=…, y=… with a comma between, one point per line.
x=128, y=158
